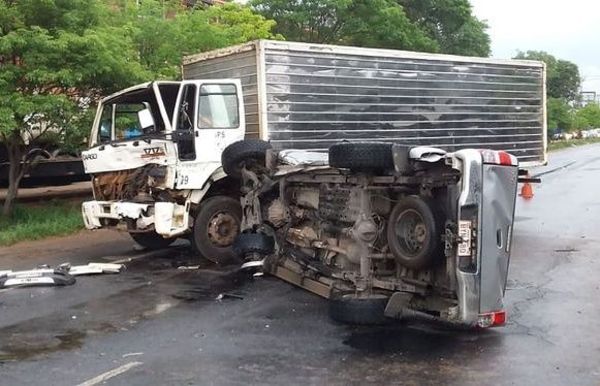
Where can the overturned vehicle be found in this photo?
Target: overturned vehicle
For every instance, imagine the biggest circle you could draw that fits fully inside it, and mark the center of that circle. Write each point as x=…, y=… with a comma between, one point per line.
x=383, y=231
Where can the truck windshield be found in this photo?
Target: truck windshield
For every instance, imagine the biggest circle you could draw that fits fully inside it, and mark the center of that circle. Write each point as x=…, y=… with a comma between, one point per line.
x=218, y=107
x=123, y=117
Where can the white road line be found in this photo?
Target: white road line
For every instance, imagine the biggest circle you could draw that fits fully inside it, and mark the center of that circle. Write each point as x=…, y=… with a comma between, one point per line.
x=110, y=374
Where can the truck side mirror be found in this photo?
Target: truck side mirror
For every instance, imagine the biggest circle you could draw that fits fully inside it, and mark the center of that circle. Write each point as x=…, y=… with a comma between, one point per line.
x=145, y=118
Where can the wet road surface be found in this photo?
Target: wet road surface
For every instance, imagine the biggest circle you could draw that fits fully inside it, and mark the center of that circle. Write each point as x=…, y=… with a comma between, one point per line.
x=155, y=324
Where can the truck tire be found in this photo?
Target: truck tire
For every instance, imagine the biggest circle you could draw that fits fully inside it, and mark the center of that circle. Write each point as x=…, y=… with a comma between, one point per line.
x=151, y=240
x=239, y=152
x=413, y=232
x=247, y=243
x=366, y=156
x=348, y=308
x=216, y=225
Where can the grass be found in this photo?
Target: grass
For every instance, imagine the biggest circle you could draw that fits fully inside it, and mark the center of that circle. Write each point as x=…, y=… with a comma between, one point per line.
x=40, y=220
x=556, y=145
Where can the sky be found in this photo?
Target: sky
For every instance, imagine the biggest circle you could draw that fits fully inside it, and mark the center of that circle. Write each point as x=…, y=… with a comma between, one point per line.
x=568, y=30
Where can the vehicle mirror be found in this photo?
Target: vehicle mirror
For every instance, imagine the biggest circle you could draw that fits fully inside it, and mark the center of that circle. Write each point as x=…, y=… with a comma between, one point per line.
x=145, y=118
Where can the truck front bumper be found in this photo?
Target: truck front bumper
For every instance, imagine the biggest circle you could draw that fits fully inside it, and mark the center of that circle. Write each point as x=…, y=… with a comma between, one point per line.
x=165, y=218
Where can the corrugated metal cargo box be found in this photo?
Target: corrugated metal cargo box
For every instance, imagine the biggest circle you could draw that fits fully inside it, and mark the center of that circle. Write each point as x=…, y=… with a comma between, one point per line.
x=309, y=96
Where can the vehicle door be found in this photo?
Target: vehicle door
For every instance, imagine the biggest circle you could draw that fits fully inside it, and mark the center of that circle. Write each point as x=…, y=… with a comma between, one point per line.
x=210, y=117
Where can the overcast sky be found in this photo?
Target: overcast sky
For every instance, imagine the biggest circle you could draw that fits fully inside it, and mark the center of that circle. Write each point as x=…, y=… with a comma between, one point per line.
x=567, y=29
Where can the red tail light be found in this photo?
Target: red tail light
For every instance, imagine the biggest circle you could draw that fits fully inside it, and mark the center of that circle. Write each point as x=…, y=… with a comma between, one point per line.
x=499, y=158
x=492, y=319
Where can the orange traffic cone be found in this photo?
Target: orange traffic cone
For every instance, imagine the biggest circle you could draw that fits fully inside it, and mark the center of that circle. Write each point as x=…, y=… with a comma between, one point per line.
x=526, y=190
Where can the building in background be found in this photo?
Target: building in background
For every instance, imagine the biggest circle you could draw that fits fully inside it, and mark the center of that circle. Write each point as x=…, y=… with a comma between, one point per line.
x=588, y=97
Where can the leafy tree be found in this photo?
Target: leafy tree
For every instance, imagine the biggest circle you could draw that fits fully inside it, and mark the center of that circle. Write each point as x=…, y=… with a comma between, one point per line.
x=164, y=31
x=451, y=24
x=55, y=56
x=562, y=77
x=559, y=115
x=589, y=116
x=373, y=23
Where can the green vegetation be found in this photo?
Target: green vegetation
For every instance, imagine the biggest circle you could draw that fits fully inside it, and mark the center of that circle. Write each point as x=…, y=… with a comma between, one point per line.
x=557, y=145
x=563, y=82
x=447, y=26
x=37, y=221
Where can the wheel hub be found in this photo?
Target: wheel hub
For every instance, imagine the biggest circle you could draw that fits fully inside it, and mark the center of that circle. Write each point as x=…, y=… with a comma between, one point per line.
x=222, y=229
x=411, y=230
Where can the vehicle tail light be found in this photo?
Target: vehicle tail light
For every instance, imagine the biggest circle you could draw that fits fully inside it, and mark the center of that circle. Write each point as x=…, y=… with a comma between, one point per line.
x=492, y=319
x=499, y=158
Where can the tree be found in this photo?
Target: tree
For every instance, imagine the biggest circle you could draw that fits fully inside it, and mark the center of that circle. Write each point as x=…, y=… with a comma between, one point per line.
x=451, y=24
x=164, y=31
x=373, y=23
x=562, y=77
x=559, y=115
x=589, y=116
x=55, y=56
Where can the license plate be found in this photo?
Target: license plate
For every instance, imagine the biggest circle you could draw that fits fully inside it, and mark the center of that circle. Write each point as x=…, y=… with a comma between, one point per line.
x=464, y=232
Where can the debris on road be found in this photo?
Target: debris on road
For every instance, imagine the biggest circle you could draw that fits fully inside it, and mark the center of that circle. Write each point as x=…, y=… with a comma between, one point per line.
x=62, y=275
x=39, y=276
x=188, y=267
x=95, y=268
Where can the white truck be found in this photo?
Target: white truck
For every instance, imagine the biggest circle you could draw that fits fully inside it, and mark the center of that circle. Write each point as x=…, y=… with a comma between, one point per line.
x=155, y=148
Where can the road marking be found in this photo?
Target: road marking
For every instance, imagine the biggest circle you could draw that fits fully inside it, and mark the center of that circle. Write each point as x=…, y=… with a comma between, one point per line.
x=110, y=374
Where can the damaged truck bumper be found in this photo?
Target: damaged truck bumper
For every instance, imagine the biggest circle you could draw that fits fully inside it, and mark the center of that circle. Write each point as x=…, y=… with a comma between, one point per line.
x=165, y=218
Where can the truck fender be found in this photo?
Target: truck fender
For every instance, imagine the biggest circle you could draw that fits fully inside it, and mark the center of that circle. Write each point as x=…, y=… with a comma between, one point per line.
x=198, y=194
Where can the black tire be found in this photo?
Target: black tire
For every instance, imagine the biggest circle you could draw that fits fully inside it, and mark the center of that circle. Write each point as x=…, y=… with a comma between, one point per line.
x=417, y=242
x=247, y=243
x=347, y=308
x=365, y=156
x=216, y=224
x=151, y=240
x=239, y=152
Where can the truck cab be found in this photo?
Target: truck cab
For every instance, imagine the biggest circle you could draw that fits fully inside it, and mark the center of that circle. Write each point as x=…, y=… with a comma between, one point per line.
x=154, y=159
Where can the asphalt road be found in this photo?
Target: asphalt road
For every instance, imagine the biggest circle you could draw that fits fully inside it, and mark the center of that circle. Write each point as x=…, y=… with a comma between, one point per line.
x=155, y=324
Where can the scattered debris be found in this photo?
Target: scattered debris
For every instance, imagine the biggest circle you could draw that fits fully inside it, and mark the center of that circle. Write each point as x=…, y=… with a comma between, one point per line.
x=39, y=276
x=228, y=295
x=188, y=267
x=132, y=354
x=61, y=275
x=93, y=268
x=567, y=250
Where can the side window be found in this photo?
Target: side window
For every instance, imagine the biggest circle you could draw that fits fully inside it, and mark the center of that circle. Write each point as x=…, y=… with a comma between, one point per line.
x=105, y=129
x=218, y=107
x=127, y=125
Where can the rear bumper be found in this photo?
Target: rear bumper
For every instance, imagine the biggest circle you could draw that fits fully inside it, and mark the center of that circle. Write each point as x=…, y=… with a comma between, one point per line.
x=165, y=218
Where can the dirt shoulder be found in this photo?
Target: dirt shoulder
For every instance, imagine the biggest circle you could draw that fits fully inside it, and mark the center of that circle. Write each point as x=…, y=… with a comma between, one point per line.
x=83, y=246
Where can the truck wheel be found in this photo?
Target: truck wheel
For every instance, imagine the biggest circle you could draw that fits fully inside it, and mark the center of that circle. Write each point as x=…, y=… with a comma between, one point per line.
x=362, y=156
x=151, y=240
x=240, y=152
x=413, y=233
x=216, y=225
x=247, y=243
x=348, y=308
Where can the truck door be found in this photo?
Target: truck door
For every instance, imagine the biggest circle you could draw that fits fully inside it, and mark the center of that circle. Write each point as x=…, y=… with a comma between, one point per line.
x=220, y=118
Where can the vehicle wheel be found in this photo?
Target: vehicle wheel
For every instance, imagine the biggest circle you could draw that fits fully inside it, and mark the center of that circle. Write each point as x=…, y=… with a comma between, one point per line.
x=151, y=240
x=348, y=308
x=413, y=233
x=240, y=152
x=216, y=226
x=362, y=156
x=247, y=243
